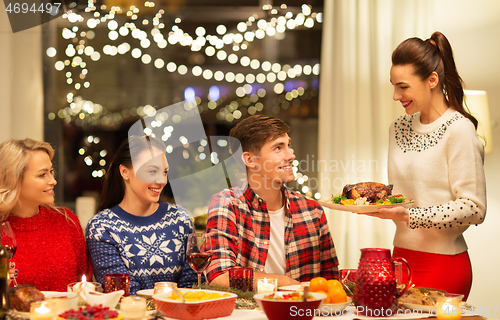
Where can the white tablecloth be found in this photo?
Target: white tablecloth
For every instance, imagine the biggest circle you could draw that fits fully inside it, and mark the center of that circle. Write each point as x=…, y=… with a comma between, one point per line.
x=348, y=314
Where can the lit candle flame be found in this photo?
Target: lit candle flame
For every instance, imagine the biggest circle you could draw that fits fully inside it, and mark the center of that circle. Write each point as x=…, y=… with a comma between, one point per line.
x=42, y=309
x=84, y=278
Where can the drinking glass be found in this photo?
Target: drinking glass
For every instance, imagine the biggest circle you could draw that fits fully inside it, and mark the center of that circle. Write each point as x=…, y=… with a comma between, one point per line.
x=199, y=252
x=9, y=242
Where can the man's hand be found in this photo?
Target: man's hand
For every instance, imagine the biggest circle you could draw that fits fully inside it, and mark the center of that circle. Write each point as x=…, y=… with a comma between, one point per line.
x=285, y=281
x=223, y=279
x=282, y=280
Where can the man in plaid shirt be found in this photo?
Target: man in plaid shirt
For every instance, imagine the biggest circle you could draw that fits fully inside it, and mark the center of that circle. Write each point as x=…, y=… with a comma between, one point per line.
x=264, y=225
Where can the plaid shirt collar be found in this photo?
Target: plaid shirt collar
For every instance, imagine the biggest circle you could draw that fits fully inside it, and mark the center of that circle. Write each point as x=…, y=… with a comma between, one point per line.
x=253, y=199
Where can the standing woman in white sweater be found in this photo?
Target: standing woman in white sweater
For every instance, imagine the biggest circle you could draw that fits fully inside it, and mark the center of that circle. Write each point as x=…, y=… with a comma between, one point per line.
x=435, y=158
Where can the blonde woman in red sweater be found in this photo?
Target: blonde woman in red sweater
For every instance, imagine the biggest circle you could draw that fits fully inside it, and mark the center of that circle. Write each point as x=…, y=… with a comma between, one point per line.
x=51, y=250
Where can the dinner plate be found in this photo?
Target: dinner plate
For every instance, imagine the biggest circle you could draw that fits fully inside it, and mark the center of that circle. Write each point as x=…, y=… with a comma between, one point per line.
x=424, y=308
x=146, y=293
x=364, y=208
x=295, y=287
x=22, y=314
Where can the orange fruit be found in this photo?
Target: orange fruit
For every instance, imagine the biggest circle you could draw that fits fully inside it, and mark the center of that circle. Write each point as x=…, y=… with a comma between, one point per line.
x=333, y=283
x=327, y=299
x=337, y=294
x=318, y=284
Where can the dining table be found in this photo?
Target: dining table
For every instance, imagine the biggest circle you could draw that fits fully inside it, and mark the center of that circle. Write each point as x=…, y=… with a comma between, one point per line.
x=247, y=309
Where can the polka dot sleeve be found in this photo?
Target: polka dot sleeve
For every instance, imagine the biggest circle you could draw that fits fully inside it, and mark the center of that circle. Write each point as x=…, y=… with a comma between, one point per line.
x=458, y=213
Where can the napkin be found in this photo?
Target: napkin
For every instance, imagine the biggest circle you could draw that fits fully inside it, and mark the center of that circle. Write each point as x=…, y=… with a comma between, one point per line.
x=106, y=299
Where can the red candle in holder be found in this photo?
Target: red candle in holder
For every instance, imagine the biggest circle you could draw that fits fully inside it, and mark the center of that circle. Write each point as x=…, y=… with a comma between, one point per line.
x=117, y=281
x=241, y=278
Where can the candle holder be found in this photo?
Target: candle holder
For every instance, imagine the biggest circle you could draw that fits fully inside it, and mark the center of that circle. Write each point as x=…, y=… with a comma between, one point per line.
x=117, y=281
x=266, y=285
x=164, y=287
x=448, y=306
x=133, y=307
x=43, y=310
x=82, y=289
x=241, y=278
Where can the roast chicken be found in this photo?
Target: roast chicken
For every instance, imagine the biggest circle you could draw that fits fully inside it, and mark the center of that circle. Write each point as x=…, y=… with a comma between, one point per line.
x=22, y=296
x=373, y=191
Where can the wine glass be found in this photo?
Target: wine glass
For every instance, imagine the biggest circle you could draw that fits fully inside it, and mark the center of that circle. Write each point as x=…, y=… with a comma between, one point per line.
x=8, y=241
x=199, y=252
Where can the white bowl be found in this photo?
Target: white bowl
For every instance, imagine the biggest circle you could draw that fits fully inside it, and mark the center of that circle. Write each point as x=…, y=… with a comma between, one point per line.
x=109, y=300
x=334, y=309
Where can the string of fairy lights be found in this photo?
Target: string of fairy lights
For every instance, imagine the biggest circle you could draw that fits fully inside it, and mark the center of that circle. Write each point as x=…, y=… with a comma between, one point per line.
x=253, y=85
x=214, y=45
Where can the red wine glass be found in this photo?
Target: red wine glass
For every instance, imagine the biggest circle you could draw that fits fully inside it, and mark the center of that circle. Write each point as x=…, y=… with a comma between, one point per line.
x=199, y=253
x=8, y=241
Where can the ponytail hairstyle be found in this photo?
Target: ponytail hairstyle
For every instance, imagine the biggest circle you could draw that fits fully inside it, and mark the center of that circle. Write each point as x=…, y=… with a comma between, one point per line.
x=113, y=189
x=435, y=54
x=14, y=159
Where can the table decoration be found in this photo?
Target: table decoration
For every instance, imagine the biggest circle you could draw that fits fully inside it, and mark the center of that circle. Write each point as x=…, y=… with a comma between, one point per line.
x=241, y=278
x=83, y=288
x=133, y=307
x=163, y=287
x=266, y=285
x=43, y=310
x=449, y=306
x=116, y=282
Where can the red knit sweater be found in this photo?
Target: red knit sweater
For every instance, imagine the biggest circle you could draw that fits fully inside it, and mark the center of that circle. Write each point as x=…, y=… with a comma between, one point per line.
x=51, y=250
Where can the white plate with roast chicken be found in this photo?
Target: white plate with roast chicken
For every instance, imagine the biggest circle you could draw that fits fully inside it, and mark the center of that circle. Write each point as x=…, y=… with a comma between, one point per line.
x=366, y=197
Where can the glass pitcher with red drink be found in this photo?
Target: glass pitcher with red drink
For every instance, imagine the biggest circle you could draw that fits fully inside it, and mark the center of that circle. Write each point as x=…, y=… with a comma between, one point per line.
x=376, y=293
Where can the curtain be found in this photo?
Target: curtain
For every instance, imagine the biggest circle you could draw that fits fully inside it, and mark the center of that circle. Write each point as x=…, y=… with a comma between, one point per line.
x=356, y=107
x=21, y=81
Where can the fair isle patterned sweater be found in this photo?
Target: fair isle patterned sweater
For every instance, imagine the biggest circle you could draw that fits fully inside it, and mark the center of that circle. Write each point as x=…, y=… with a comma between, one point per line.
x=440, y=167
x=150, y=249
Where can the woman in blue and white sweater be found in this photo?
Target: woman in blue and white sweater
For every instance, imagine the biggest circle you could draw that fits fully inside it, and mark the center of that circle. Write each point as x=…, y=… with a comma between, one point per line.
x=133, y=232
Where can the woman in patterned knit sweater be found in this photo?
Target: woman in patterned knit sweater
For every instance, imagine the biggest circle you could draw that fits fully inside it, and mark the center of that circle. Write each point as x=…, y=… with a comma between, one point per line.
x=435, y=158
x=51, y=249
x=133, y=232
